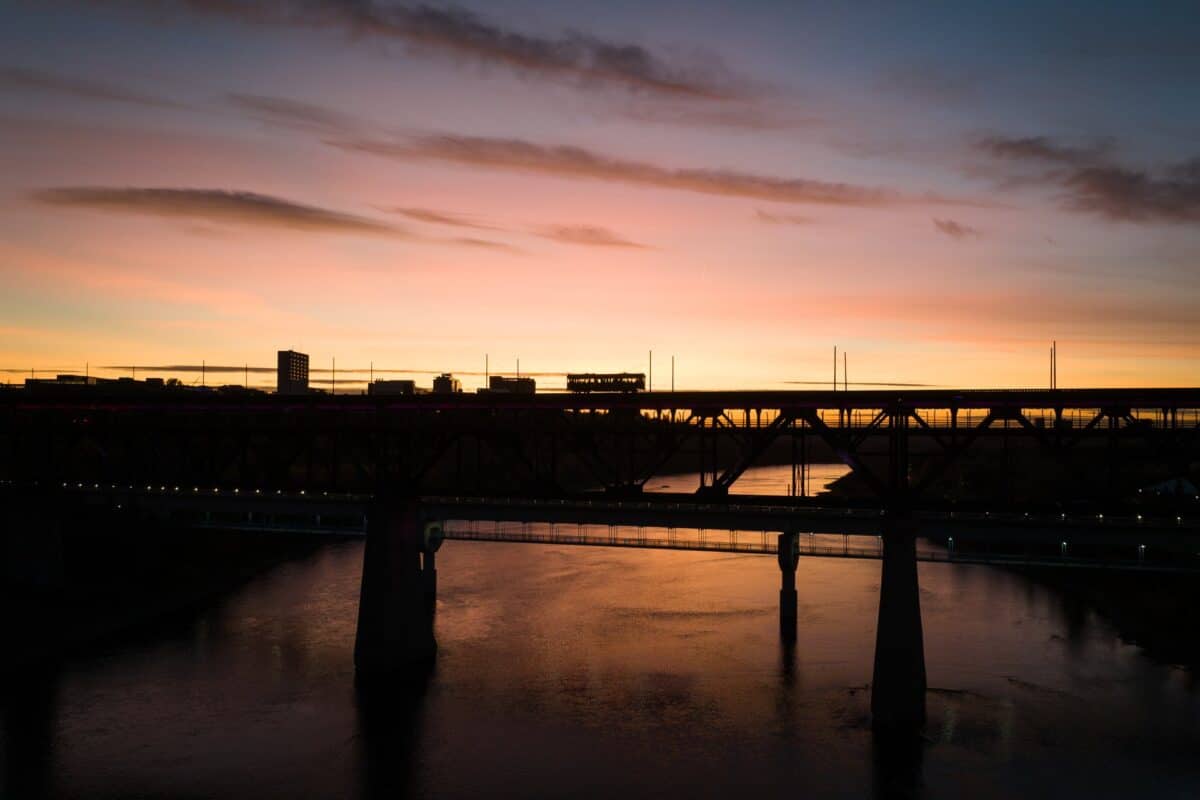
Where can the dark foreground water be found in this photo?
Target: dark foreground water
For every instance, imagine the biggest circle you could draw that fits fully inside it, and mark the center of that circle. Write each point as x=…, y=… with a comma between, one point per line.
x=579, y=672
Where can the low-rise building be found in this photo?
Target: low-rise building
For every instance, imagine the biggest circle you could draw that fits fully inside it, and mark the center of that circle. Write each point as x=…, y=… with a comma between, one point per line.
x=446, y=384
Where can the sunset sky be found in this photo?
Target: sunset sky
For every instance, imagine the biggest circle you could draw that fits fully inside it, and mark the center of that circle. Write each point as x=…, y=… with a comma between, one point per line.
x=743, y=185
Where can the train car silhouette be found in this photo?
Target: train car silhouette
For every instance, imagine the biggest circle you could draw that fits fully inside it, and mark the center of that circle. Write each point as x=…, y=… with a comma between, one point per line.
x=587, y=382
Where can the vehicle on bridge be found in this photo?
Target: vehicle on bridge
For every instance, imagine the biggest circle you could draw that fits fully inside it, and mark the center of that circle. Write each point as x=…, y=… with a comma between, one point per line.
x=499, y=384
x=587, y=382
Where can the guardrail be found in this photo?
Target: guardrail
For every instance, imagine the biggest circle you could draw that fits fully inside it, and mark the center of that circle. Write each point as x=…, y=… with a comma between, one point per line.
x=720, y=541
x=733, y=544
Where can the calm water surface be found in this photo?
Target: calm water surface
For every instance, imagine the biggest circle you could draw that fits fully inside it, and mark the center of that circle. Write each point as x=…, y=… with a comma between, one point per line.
x=592, y=673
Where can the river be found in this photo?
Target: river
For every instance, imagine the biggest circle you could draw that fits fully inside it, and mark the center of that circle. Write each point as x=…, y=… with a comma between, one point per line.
x=589, y=672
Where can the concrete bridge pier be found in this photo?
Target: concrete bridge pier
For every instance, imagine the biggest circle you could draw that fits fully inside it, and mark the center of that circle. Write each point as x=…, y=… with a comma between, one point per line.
x=399, y=584
x=789, y=552
x=898, y=686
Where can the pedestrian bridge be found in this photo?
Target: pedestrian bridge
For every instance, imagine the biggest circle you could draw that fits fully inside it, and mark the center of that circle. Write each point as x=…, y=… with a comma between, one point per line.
x=806, y=545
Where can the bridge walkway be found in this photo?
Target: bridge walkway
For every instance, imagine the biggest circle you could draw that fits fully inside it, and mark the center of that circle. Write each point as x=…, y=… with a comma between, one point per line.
x=850, y=546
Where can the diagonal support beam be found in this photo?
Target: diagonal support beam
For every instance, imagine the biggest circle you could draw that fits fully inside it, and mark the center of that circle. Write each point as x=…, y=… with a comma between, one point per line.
x=954, y=453
x=874, y=425
x=760, y=440
x=932, y=431
x=845, y=450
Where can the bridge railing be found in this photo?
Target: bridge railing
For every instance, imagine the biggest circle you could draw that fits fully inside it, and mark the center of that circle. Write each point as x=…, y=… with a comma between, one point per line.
x=756, y=543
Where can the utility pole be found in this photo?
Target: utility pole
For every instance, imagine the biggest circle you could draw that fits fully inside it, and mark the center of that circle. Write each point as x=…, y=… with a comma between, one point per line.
x=845, y=374
x=835, y=367
x=518, y=367
x=672, y=373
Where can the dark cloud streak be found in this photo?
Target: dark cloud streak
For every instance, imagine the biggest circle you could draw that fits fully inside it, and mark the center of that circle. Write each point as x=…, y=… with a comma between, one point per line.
x=956, y=230
x=582, y=58
x=296, y=114
x=1136, y=196
x=21, y=79
x=883, y=384
x=487, y=244
x=588, y=235
x=1043, y=148
x=262, y=370
x=443, y=218
x=1088, y=181
x=575, y=162
x=214, y=205
x=781, y=219
x=570, y=234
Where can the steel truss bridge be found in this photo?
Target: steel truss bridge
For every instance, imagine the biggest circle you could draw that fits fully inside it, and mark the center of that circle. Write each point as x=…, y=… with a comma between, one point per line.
x=1095, y=445
x=945, y=464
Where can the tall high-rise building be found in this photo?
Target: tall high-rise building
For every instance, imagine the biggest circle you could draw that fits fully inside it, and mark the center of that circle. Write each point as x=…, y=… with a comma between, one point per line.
x=292, y=374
